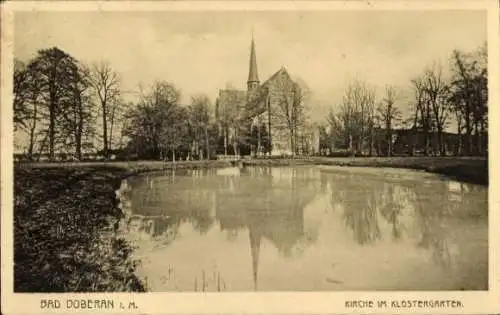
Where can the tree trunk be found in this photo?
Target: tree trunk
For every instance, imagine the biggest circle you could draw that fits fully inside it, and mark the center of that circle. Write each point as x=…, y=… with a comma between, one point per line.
x=440, y=140
x=225, y=142
x=52, y=134
x=104, y=130
x=42, y=147
x=459, y=149
x=78, y=139
x=32, y=132
x=79, y=129
x=468, y=130
x=459, y=133
x=111, y=123
x=478, y=138
x=78, y=150
x=370, y=137
x=298, y=144
x=351, y=149
x=427, y=140
x=235, y=148
x=31, y=144
x=484, y=139
x=258, y=138
x=270, y=144
x=207, y=145
x=52, y=111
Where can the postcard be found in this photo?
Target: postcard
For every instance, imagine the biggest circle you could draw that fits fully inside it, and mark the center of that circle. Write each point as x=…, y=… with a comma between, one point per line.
x=249, y=157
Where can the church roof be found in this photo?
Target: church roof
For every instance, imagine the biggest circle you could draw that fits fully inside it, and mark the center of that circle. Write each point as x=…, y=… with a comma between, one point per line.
x=253, y=75
x=258, y=103
x=281, y=71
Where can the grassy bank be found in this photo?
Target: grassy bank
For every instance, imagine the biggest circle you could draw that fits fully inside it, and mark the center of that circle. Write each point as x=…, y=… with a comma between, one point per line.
x=65, y=237
x=66, y=215
x=467, y=169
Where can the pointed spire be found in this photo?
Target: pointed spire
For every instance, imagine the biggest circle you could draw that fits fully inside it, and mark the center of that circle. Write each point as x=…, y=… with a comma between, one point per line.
x=255, y=238
x=253, y=76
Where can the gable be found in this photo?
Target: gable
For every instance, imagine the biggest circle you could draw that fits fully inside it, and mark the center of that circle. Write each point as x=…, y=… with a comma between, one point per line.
x=279, y=76
x=277, y=84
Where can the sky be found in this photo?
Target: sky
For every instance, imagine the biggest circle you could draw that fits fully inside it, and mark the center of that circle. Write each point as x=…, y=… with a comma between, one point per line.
x=202, y=52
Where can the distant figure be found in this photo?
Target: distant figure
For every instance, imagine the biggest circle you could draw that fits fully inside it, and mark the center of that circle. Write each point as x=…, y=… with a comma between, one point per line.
x=239, y=164
x=229, y=171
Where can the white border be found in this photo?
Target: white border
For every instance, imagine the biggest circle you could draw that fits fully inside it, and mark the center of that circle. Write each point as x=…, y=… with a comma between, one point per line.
x=249, y=303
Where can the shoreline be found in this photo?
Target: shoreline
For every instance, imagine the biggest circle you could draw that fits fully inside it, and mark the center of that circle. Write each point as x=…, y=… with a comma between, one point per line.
x=66, y=216
x=473, y=170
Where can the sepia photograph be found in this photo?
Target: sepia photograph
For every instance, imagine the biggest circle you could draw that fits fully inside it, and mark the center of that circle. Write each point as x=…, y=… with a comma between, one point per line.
x=219, y=151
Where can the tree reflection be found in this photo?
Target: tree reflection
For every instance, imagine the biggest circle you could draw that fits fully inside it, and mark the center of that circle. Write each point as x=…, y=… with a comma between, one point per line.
x=431, y=207
x=359, y=200
x=364, y=198
x=391, y=210
x=162, y=229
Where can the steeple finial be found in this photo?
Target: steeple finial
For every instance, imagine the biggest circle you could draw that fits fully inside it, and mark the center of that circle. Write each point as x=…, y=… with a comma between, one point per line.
x=253, y=76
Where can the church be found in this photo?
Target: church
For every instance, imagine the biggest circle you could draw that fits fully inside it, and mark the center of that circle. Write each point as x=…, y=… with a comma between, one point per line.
x=266, y=119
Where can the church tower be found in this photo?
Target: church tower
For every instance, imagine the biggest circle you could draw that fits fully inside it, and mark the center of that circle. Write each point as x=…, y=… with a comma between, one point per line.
x=253, y=76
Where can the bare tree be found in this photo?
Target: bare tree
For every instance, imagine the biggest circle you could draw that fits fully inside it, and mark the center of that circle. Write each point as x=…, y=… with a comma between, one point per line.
x=354, y=119
x=157, y=126
x=27, y=99
x=469, y=95
x=78, y=123
x=53, y=68
x=116, y=121
x=389, y=114
x=22, y=91
x=106, y=84
x=199, y=121
x=230, y=111
x=423, y=114
x=437, y=97
x=357, y=111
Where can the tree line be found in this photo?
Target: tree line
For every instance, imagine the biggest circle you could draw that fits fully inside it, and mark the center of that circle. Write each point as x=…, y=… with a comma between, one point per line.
x=64, y=106
x=61, y=103
x=362, y=124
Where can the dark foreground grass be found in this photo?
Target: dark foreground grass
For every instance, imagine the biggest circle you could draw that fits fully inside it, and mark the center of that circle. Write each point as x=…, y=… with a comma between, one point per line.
x=66, y=217
x=65, y=232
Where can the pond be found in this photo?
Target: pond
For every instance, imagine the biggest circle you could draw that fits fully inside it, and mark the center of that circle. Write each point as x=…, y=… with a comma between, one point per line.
x=306, y=228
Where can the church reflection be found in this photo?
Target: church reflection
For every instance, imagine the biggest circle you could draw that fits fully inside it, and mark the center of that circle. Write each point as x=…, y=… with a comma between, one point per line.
x=270, y=206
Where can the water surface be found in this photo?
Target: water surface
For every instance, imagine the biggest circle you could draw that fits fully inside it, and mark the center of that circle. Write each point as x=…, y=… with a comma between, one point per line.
x=307, y=228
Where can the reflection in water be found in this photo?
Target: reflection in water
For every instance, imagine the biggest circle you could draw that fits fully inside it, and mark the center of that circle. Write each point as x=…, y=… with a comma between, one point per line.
x=202, y=220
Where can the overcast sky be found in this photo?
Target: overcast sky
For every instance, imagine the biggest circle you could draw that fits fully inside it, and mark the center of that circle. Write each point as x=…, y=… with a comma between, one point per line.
x=203, y=51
